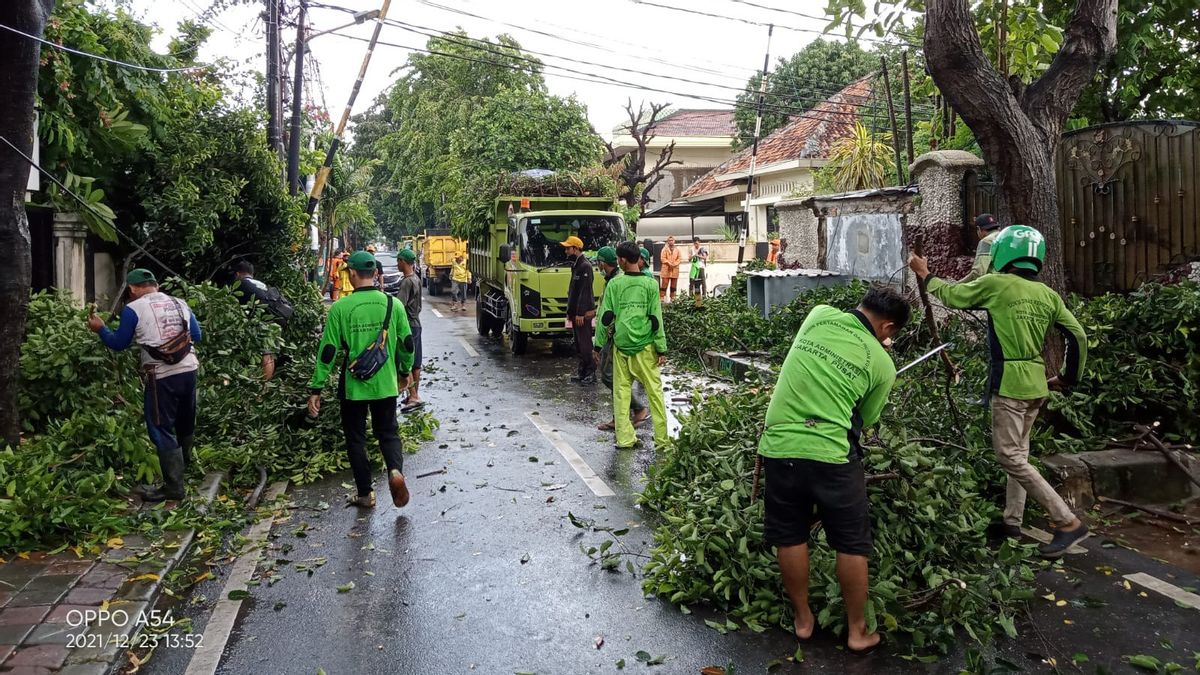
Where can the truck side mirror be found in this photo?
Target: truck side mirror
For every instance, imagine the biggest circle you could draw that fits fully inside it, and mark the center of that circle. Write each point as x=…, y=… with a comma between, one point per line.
x=505, y=253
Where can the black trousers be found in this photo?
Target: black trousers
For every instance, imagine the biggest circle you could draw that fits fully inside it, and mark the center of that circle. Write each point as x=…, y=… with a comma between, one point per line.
x=170, y=409
x=383, y=423
x=583, y=346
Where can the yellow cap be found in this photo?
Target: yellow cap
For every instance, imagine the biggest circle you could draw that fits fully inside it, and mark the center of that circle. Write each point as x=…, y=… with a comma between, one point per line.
x=573, y=241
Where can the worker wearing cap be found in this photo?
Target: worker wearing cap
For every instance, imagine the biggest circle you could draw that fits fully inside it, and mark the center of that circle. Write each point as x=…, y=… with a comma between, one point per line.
x=165, y=329
x=631, y=318
x=581, y=308
x=606, y=260
x=645, y=264
x=409, y=293
x=356, y=324
x=1021, y=311
x=986, y=228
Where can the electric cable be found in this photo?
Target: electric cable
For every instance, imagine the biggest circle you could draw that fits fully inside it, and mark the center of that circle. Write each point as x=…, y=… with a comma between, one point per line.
x=103, y=58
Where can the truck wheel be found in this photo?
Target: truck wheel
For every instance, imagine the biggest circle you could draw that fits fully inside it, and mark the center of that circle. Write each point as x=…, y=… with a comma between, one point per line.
x=483, y=320
x=433, y=287
x=518, y=341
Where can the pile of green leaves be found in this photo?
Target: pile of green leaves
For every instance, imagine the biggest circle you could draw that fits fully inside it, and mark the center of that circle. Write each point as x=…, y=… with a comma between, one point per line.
x=84, y=451
x=476, y=212
x=934, y=578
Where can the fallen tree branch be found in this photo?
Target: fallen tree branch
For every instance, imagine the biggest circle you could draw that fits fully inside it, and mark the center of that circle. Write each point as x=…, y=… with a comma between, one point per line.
x=1179, y=518
x=1149, y=433
x=931, y=323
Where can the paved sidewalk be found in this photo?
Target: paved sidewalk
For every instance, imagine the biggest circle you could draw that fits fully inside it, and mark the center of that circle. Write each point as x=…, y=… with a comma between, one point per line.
x=63, y=614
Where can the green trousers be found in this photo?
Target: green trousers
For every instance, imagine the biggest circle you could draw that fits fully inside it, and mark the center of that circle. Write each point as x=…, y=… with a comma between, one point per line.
x=642, y=367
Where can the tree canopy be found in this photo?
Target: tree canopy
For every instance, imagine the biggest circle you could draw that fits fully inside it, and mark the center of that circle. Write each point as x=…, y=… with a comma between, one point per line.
x=799, y=82
x=469, y=108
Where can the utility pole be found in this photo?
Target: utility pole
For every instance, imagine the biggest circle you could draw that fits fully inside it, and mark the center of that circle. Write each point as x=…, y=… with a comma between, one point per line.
x=887, y=85
x=762, y=94
x=908, y=121
x=293, y=156
x=314, y=196
x=274, y=134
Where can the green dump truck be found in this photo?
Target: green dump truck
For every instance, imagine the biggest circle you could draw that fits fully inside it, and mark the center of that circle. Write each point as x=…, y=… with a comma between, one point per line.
x=521, y=269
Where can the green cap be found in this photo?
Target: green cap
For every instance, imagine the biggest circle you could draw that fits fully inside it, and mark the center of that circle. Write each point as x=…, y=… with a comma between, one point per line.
x=140, y=276
x=361, y=261
x=607, y=254
x=407, y=255
x=645, y=255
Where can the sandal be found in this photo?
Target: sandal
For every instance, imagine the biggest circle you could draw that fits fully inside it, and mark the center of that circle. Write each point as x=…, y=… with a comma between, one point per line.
x=869, y=650
x=607, y=426
x=410, y=407
x=640, y=421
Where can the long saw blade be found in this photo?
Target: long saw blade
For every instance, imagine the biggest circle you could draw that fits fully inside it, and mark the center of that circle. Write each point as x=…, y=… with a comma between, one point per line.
x=927, y=355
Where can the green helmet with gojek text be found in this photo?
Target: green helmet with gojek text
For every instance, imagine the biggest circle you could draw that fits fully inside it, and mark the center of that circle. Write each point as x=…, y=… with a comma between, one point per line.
x=1020, y=246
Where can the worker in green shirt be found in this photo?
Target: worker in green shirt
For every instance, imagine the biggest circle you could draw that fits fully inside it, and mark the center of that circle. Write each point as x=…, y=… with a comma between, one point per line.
x=645, y=264
x=372, y=328
x=632, y=314
x=1021, y=311
x=986, y=228
x=606, y=260
x=834, y=383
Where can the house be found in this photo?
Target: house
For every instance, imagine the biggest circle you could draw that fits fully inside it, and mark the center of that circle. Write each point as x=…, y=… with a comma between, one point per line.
x=703, y=140
x=784, y=165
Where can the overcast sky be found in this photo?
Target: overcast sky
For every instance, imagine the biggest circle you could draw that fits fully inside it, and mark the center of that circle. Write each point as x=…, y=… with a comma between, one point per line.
x=717, y=54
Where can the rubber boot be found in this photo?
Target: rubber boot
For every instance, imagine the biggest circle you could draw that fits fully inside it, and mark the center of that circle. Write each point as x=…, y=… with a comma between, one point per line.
x=185, y=446
x=172, y=488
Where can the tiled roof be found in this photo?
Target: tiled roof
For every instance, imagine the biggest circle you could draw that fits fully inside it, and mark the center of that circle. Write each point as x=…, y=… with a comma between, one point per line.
x=710, y=123
x=806, y=136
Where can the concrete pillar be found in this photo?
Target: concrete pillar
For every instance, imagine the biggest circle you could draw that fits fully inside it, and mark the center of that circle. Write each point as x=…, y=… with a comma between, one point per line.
x=70, y=263
x=937, y=222
x=798, y=226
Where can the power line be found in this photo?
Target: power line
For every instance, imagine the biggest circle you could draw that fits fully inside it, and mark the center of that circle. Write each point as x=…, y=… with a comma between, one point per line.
x=481, y=45
x=752, y=22
x=816, y=114
x=103, y=58
x=802, y=92
x=86, y=204
x=780, y=10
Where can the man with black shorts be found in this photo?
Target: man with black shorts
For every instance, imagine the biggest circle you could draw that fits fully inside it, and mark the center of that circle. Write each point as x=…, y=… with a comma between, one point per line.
x=834, y=382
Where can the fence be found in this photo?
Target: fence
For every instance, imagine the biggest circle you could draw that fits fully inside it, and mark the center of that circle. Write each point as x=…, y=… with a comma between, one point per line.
x=1127, y=196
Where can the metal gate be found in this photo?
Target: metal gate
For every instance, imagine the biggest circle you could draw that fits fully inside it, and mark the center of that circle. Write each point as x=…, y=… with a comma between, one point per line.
x=1127, y=196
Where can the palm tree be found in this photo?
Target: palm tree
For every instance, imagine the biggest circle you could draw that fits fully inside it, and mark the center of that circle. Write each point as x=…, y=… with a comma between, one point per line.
x=861, y=160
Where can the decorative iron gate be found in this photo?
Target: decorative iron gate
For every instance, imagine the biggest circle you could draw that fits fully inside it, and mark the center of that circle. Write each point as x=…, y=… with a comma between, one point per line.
x=1127, y=196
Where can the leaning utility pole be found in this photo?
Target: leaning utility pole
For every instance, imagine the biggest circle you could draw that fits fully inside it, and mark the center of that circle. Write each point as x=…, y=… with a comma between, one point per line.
x=293, y=155
x=762, y=94
x=314, y=197
x=887, y=87
x=274, y=116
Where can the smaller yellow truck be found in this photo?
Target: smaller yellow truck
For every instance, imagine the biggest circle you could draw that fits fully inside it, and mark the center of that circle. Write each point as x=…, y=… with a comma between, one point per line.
x=438, y=251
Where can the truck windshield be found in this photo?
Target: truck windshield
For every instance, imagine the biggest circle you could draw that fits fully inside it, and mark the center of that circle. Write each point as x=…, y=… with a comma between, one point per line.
x=542, y=236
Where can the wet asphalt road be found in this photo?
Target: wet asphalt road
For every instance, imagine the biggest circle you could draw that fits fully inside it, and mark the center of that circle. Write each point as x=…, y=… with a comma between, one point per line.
x=482, y=572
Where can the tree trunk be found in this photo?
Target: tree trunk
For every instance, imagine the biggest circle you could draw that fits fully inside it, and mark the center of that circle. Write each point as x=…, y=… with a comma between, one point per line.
x=1018, y=127
x=18, y=81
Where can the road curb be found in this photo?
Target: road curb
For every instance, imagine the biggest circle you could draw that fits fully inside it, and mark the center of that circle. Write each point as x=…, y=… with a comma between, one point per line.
x=135, y=596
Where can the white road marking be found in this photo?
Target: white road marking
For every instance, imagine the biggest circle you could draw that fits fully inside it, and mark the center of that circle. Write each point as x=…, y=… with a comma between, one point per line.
x=594, y=482
x=1045, y=537
x=1170, y=590
x=437, y=313
x=216, y=633
x=470, y=350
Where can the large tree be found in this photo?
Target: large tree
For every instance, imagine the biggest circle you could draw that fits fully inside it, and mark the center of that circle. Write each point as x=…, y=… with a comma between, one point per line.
x=18, y=81
x=799, y=82
x=1018, y=126
x=468, y=109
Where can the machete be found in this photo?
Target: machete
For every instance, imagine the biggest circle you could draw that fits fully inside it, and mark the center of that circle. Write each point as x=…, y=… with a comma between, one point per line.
x=926, y=355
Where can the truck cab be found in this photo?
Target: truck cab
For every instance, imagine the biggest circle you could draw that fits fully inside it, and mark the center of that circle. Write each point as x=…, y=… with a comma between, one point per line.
x=523, y=272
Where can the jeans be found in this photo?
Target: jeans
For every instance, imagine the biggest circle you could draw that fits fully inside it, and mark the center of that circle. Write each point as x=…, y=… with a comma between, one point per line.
x=170, y=409
x=383, y=423
x=458, y=291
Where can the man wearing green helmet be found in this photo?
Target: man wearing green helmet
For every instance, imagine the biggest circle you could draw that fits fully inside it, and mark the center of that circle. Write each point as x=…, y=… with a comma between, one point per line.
x=1021, y=310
